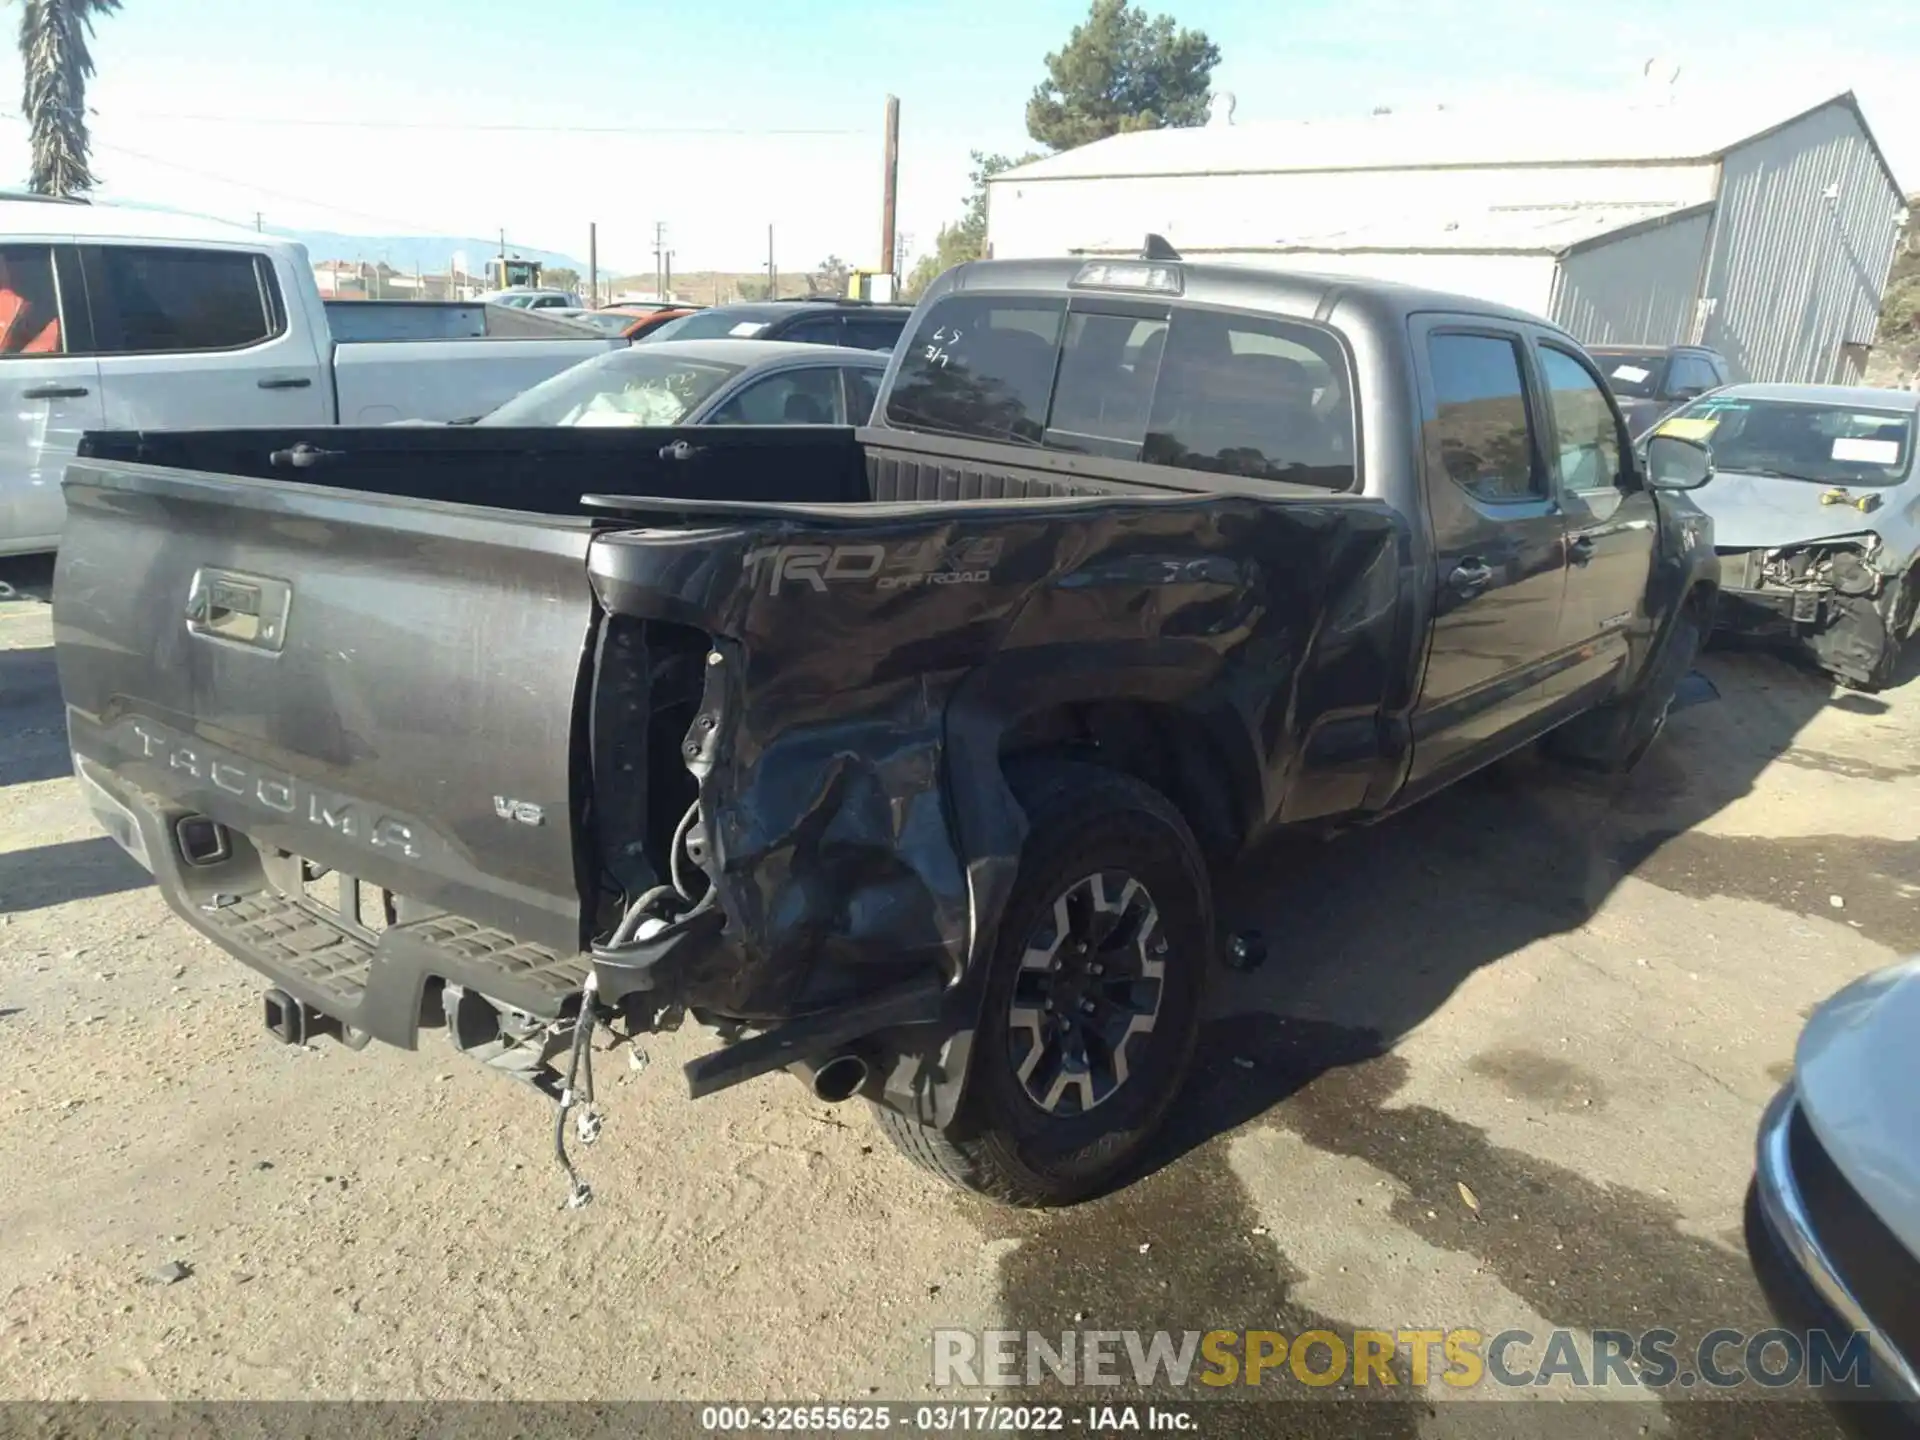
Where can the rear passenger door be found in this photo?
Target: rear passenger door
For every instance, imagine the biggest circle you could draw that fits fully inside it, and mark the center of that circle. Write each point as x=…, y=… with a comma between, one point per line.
x=1498, y=545
x=191, y=336
x=1611, y=521
x=49, y=389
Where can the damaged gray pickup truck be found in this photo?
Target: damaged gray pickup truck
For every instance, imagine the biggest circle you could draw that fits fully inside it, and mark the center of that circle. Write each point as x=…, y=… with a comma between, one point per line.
x=897, y=756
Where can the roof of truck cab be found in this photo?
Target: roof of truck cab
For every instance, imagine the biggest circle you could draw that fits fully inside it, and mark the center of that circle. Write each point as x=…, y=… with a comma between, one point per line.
x=124, y=222
x=1286, y=291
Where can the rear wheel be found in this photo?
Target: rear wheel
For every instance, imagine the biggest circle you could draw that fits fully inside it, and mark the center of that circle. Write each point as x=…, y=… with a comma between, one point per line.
x=1093, y=996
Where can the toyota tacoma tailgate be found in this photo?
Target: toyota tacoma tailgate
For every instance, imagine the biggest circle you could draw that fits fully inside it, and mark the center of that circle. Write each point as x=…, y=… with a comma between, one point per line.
x=354, y=697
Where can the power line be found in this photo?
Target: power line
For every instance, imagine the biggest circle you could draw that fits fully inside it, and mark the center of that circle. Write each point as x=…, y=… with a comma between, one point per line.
x=482, y=128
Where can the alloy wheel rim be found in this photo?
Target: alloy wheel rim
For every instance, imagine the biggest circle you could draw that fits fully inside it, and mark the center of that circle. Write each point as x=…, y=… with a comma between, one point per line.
x=1091, y=980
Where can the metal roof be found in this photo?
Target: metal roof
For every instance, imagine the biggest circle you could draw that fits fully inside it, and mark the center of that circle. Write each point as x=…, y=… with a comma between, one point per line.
x=1578, y=131
x=1492, y=230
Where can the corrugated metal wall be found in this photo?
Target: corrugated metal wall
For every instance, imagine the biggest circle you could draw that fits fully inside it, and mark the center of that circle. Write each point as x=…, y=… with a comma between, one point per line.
x=1793, y=275
x=1636, y=290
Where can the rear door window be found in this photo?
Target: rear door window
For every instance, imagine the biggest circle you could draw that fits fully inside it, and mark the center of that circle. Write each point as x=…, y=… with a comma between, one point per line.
x=1479, y=435
x=809, y=396
x=180, y=300
x=1259, y=397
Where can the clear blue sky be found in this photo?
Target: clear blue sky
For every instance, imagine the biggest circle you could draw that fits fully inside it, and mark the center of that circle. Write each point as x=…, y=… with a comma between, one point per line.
x=194, y=100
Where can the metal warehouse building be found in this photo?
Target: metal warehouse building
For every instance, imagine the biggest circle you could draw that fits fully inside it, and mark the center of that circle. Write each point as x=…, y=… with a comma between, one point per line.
x=1765, y=235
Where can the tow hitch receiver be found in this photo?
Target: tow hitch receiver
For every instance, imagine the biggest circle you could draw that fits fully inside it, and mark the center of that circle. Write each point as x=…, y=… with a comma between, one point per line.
x=287, y=1018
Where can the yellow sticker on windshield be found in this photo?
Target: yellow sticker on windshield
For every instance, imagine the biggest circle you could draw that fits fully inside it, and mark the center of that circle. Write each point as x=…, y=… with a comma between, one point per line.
x=1689, y=427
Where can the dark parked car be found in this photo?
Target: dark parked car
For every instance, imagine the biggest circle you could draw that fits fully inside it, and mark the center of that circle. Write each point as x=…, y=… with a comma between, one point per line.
x=1650, y=383
x=823, y=321
x=900, y=755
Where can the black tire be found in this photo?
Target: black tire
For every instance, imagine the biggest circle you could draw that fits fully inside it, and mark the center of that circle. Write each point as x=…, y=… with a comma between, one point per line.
x=1084, y=822
x=1616, y=737
x=1886, y=669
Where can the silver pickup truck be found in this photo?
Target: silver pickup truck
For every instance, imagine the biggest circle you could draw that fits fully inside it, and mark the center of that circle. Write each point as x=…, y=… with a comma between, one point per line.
x=139, y=319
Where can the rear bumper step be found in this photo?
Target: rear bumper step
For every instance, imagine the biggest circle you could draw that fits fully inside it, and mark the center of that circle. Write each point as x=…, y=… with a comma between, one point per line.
x=365, y=983
x=379, y=987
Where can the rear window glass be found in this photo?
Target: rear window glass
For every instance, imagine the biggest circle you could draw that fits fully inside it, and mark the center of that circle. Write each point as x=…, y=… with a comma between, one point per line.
x=1252, y=396
x=1632, y=377
x=981, y=366
x=713, y=325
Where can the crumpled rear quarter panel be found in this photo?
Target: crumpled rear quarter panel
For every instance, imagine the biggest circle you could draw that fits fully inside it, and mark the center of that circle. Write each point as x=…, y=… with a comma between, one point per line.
x=861, y=828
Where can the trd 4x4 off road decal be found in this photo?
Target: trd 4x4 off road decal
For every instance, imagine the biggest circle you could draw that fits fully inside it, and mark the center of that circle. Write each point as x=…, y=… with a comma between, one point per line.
x=895, y=567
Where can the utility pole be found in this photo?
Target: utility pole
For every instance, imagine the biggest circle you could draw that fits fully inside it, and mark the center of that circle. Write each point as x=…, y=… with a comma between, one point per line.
x=659, y=259
x=773, y=276
x=889, y=189
x=259, y=221
x=668, y=292
x=593, y=262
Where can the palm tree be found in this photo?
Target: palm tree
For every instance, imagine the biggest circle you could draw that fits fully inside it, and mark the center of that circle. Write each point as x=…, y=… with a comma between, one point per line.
x=57, y=65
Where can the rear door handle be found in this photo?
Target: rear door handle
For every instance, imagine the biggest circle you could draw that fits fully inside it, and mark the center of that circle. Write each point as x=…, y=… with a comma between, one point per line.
x=286, y=383
x=1470, y=577
x=1580, y=549
x=55, y=392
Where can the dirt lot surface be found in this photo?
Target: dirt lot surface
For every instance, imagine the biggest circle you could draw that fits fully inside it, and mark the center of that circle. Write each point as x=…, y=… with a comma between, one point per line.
x=1570, y=998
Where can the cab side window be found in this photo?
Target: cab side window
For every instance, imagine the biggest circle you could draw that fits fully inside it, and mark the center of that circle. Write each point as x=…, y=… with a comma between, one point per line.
x=158, y=300
x=792, y=397
x=1480, y=436
x=1251, y=396
x=1588, y=435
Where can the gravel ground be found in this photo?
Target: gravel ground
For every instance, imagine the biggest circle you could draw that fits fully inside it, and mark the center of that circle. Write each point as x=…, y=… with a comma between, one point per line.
x=1570, y=998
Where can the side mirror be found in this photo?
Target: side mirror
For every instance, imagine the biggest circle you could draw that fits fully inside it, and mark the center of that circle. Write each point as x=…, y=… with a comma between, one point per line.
x=1674, y=463
x=1686, y=392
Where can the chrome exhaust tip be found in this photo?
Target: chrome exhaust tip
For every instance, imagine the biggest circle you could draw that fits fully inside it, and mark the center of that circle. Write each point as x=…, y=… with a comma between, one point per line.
x=837, y=1078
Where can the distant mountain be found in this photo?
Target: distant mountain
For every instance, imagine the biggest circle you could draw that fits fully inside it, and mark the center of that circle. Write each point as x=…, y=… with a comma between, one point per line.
x=430, y=253
x=426, y=253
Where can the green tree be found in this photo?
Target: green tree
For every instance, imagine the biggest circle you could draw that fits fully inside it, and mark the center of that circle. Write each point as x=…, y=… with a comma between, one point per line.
x=1122, y=71
x=56, y=65
x=966, y=238
x=560, y=277
x=829, y=277
x=753, y=287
